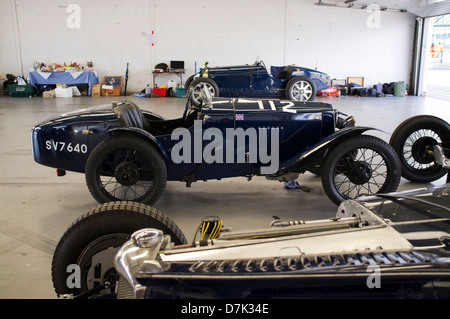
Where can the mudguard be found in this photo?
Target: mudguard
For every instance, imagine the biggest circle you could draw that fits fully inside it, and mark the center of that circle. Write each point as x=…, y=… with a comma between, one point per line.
x=316, y=153
x=143, y=133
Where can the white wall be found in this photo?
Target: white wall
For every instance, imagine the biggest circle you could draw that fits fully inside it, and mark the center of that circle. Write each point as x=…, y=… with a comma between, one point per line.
x=114, y=32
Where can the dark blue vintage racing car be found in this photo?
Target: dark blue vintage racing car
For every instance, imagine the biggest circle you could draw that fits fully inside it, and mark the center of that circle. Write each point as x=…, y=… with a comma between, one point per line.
x=290, y=82
x=128, y=154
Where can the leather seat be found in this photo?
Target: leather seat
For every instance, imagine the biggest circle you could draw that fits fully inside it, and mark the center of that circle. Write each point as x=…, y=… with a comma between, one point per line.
x=130, y=115
x=286, y=73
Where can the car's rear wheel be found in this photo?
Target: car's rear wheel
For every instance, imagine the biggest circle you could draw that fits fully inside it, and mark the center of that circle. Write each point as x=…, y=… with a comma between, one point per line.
x=359, y=166
x=413, y=140
x=300, y=88
x=126, y=167
x=84, y=256
x=200, y=84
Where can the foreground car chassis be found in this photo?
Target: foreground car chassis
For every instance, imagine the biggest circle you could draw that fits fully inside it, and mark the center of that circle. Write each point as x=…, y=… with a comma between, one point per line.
x=322, y=258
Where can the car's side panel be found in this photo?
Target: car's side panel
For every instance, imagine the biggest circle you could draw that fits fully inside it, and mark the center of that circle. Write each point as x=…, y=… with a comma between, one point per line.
x=232, y=81
x=207, y=147
x=300, y=125
x=265, y=85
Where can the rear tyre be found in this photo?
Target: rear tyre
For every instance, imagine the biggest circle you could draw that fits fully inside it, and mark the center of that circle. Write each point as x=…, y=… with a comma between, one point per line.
x=200, y=84
x=92, y=241
x=188, y=82
x=413, y=141
x=359, y=166
x=126, y=167
x=300, y=88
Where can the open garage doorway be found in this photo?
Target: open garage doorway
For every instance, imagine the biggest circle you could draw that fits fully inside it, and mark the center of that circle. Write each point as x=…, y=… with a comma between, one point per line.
x=435, y=79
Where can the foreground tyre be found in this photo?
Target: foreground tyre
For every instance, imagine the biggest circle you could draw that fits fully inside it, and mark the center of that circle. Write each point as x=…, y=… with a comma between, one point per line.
x=413, y=140
x=300, y=88
x=93, y=240
x=126, y=167
x=200, y=84
x=359, y=166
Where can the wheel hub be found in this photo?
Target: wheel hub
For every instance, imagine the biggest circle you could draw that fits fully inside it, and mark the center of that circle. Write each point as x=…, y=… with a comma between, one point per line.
x=421, y=150
x=360, y=173
x=126, y=174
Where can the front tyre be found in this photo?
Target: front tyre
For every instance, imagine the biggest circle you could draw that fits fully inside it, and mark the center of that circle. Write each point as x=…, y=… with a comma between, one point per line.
x=300, y=88
x=413, y=141
x=93, y=240
x=126, y=167
x=359, y=166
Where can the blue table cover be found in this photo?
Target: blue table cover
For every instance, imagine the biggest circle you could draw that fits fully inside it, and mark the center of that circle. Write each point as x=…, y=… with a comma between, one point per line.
x=68, y=78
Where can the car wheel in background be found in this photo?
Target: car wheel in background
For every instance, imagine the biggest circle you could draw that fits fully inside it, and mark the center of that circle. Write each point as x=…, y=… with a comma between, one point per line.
x=200, y=84
x=300, y=88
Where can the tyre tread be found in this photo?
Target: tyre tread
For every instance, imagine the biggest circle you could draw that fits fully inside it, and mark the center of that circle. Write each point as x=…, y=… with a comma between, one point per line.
x=126, y=209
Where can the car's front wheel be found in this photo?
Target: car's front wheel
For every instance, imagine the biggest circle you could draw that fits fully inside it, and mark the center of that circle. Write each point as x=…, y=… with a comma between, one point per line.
x=84, y=257
x=126, y=167
x=300, y=88
x=360, y=166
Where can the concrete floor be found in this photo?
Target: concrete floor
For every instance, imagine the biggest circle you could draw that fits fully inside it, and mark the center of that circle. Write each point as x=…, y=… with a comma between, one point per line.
x=37, y=207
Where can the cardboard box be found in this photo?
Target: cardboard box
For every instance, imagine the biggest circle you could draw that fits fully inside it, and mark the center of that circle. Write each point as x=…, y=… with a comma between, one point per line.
x=108, y=90
x=112, y=86
x=96, y=90
x=356, y=79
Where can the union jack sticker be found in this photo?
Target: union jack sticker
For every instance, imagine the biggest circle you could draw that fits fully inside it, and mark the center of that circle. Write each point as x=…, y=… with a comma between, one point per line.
x=239, y=117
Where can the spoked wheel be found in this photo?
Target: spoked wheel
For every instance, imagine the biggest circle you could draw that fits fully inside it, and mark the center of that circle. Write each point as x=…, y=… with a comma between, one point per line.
x=360, y=166
x=199, y=85
x=126, y=168
x=300, y=88
x=413, y=140
x=83, y=261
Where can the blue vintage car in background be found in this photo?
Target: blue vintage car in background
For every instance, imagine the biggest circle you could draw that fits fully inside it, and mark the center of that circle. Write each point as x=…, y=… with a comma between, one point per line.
x=286, y=82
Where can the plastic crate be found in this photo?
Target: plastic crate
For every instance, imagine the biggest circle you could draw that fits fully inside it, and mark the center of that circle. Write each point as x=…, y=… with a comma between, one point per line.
x=181, y=92
x=159, y=91
x=16, y=90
